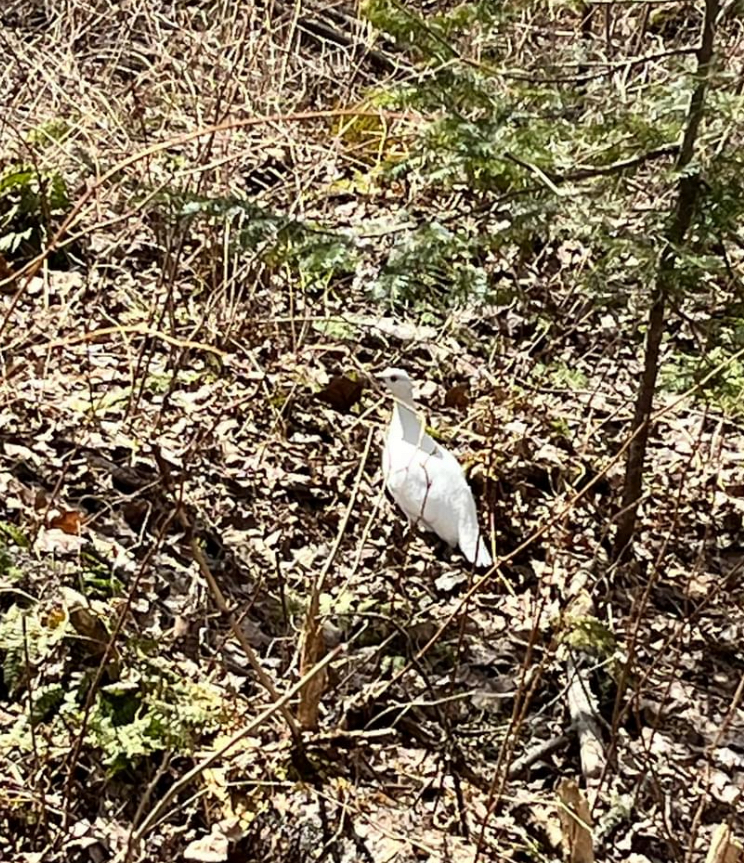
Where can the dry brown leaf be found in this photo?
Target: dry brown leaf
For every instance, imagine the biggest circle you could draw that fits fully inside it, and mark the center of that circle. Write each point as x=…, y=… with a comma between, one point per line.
x=313, y=650
x=341, y=393
x=457, y=397
x=576, y=823
x=69, y=522
x=724, y=847
x=92, y=630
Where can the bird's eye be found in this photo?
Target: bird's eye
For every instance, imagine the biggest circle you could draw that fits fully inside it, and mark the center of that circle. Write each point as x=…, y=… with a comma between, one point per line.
x=394, y=379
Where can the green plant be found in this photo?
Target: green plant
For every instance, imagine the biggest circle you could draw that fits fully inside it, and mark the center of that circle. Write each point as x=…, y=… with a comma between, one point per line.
x=14, y=534
x=27, y=641
x=8, y=568
x=432, y=268
x=505, y=128
x=312, y=254
x=30, y=199
x=724, y=388
x=151, y=708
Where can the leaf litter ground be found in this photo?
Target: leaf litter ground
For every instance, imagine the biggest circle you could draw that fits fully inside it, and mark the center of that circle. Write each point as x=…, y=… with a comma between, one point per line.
x=132, y=393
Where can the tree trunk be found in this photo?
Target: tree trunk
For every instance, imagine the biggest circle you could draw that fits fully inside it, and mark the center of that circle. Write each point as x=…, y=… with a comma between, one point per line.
x=687, y=192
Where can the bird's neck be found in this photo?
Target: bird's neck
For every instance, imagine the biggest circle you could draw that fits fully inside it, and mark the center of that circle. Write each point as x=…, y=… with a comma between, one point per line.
x=407, y=418
x=410, y=427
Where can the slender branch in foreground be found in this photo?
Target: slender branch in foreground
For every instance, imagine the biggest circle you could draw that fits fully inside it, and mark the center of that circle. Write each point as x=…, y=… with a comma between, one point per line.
x=687, y=195
x=313, y=642
x=619, y=166
x=609, y=68
x=552, y=178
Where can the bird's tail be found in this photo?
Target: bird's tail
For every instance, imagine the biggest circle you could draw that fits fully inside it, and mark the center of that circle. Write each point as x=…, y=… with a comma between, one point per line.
x=483, y=558
x=476, y=552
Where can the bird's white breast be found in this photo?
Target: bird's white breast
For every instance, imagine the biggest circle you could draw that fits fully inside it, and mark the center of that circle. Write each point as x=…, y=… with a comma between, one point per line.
x=429, y=485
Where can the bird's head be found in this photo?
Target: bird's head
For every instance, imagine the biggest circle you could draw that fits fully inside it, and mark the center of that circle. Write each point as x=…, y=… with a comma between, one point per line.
x=399, y=384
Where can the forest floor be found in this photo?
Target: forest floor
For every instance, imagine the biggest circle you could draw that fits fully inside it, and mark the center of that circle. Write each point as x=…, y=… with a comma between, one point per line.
x=183, y=423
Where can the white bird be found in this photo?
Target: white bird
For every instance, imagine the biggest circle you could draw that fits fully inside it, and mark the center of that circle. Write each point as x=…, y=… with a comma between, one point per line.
x=425, y=479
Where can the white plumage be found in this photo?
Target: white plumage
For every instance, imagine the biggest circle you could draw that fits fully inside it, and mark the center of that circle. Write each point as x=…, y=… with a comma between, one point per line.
x=425, y=479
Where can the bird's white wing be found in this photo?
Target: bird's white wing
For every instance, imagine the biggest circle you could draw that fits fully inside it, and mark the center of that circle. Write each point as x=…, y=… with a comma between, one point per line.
x=432, y=491
x=459, y=503
x=470, y=539
x=416, y=481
